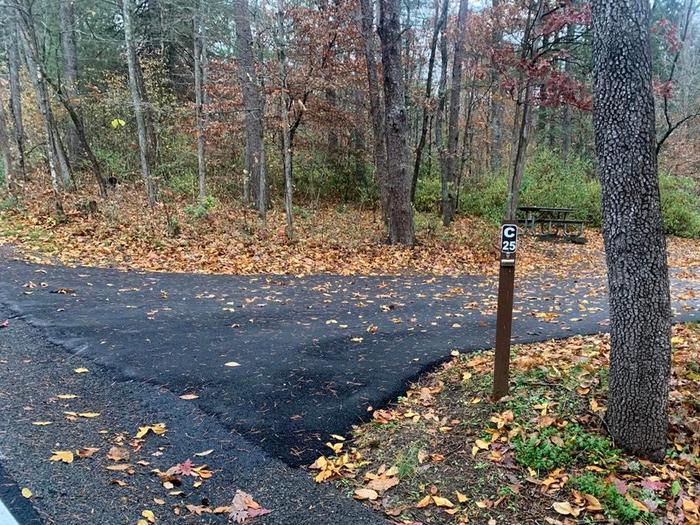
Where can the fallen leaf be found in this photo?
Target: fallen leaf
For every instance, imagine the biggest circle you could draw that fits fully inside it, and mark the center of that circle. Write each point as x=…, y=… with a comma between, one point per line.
x=26, y=493
x=232, y=364
x=363, y=494
x=118, y=454
x=442, y=502
x=66, y=456
x=189, y=397
x=81, y=370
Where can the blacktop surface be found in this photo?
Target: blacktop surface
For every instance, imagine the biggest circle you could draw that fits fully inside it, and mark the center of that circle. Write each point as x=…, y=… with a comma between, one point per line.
x=279, y=363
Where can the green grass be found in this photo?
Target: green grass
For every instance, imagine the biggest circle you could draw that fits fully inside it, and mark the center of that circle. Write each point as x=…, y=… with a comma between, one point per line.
x=614, y=504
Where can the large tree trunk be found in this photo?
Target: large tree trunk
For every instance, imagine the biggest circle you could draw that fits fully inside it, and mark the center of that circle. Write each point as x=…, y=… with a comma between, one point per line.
x=440, y=21
x=396, y=126
x=253, y=106
x=199, y=82
x=449, y=179
x=137, y=100
x=70, y=69
x=375, y=105
x=13, y=66
x=635, y=246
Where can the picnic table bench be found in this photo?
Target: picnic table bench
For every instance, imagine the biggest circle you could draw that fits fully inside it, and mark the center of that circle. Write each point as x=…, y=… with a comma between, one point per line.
x=551, y=222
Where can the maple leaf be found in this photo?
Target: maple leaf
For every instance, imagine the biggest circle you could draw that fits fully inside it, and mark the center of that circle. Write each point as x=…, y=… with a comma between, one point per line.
x=185, y=468
x=244, y=507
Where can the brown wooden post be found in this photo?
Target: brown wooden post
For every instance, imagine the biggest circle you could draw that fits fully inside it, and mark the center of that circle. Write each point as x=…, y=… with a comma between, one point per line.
x=504, y=316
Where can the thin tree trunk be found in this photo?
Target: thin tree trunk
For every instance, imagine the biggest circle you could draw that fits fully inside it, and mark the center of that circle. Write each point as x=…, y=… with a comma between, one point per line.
x=449, y=179
x=285, y=106
x=396, y=126
x=376, y=109
x=566, y=110
x=199, y=82
x=254, y=178
x=6, y=149
x=520, y=153
x=635, y=245
x=58, y=166
x=47, y=118
x=136, y=98
x=70, y=69
x=440, y=114
x=496, y=109
x=440, y=21
x=13, y=66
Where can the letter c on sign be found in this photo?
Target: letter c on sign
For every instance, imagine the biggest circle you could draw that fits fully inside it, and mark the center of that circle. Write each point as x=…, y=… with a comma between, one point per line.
x=509, y=232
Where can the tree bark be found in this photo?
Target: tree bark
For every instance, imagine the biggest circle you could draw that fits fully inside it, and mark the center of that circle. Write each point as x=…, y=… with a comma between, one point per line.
x=199, y=82
x=496, y=107
x=59, y=168
x=285, y=106
x=396, y=126
x=253, y=106
x=376, y=109
x=449, y=179
x=137, y=101
x=6, y=150
x=440, y=21
x=13, y=66
x=566, y=110
x=70, y=69
x=635, y=246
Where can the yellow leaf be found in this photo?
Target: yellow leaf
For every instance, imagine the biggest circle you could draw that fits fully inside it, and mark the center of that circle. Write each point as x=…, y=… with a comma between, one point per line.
x=89, y=414
x=81, y=370
x=62, y=455
x=142, y=522
x=483, y=445
x=565, y=508
x=149, y=516
x=158, y=429
x=442, y=502
x=41, y=423
x=66, y=396
x=461, y=498
x=232, y=364
x=26, y=493
x=424, y=502
x=363, y=494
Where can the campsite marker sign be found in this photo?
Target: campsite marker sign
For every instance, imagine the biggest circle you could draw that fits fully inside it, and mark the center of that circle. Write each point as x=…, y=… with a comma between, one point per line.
x=504, y=316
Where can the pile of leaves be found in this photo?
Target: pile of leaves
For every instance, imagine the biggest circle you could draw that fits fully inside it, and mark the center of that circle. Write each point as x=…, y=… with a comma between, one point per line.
x=229, y=238
x=444, y=453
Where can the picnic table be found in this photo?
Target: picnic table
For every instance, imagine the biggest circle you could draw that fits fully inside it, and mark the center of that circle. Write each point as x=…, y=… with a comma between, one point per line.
x=551, y=222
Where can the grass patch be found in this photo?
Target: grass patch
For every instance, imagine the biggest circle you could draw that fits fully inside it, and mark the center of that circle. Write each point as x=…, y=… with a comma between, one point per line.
x=540, y=455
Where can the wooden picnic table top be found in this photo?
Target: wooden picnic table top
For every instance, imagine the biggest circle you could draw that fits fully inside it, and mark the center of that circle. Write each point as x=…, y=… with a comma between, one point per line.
x=544, y=209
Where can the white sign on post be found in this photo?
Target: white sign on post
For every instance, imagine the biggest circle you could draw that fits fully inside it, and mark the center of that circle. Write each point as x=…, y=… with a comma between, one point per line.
x=509, y=243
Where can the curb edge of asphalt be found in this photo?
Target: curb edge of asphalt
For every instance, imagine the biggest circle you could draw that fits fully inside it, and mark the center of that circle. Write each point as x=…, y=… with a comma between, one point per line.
x=20, y=507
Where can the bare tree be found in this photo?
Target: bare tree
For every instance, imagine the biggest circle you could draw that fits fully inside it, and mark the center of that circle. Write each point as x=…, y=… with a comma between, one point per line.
x=6, y=150
x=255, y=183
x=440, y=22
x=200, y=60
x=376, y=109
x=496, y=107
x=137, y=101
x=449, y=176
x=523, y=113
x=285, y=107
x=396, y=125
x=59, y=168
x=13, y=68
x=69, y=82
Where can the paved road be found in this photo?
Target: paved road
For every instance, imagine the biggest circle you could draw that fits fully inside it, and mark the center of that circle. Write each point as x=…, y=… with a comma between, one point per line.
x=286, y=361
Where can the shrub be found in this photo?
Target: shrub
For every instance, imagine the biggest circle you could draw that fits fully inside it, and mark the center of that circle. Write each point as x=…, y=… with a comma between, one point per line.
x=551, y=181
x=680, y=206
x=428, y=195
